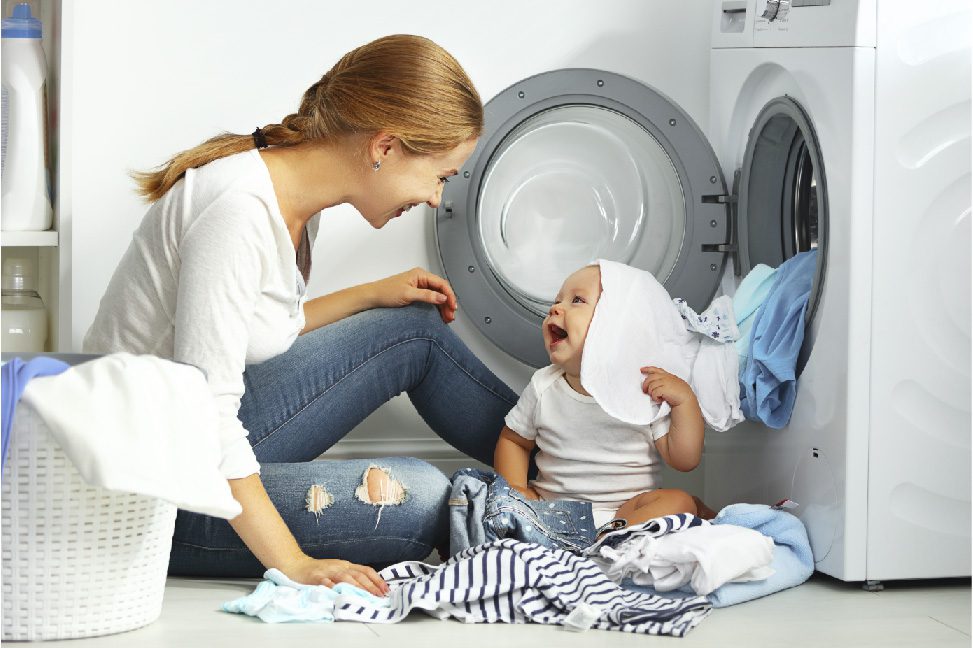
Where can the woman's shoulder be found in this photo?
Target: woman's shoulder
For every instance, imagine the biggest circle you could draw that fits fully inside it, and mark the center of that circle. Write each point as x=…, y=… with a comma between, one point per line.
x=239, y=177
x=235, y=191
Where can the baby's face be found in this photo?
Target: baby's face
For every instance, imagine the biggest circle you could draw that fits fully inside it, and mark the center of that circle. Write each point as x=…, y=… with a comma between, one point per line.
x=566, y=324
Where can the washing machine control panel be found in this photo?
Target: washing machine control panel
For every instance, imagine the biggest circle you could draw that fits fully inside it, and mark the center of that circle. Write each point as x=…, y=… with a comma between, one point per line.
x=814, y=23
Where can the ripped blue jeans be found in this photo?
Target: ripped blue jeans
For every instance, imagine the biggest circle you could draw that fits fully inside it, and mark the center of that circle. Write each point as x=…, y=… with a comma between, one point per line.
x=301, y=402
x=483, y=507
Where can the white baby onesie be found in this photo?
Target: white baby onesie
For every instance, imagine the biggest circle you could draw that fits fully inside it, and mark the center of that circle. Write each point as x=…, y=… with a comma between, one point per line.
x=585, y=454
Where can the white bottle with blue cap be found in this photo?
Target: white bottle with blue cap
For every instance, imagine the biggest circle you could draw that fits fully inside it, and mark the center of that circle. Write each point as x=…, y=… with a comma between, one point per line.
x=26, y=204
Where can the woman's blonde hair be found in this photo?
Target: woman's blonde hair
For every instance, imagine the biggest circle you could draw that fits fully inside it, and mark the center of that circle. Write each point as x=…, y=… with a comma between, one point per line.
x=407, y=86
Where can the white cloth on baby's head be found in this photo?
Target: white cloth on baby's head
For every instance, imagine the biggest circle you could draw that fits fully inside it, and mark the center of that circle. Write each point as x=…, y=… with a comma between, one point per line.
x=636, y=324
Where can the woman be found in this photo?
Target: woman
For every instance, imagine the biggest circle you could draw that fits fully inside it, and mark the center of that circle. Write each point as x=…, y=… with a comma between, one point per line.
x=215, y=277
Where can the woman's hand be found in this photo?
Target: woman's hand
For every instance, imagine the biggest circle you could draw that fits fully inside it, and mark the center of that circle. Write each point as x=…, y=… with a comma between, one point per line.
x=313, y=571
x=664, y=386
x=412, y=286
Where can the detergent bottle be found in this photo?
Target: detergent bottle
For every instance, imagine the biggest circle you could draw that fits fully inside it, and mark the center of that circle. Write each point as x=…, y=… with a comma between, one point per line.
x=26, y=204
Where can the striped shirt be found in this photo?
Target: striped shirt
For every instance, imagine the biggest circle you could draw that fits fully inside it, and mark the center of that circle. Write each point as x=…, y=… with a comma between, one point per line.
x=516, y=582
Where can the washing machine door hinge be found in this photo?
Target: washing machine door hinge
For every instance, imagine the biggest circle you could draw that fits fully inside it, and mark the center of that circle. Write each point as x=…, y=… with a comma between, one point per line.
x=731, y=247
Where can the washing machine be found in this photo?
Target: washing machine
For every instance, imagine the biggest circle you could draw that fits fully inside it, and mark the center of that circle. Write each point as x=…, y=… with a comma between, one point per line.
x=836, y=125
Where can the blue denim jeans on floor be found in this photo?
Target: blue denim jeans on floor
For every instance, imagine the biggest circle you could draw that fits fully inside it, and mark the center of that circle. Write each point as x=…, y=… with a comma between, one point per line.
x=302, y=402
x=483, y=508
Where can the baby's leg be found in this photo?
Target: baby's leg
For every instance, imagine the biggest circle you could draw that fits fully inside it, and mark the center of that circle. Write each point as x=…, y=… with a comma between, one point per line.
x=656, y=503
x=703, y=511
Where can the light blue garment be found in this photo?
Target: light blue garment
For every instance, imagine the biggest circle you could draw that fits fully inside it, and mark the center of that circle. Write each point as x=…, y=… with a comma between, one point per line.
x=750, y=295
x=793, y=561
x=278, y=599
x=15, y=376
x=769, y=381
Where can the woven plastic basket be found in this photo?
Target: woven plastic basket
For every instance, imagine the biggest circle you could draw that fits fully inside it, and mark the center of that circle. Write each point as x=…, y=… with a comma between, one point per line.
x=78, y=560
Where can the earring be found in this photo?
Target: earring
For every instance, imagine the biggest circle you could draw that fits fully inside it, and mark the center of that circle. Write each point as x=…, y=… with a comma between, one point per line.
x=377, y=165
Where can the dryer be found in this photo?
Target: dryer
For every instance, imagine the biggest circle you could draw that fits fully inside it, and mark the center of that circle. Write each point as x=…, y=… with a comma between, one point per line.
x=818, y=141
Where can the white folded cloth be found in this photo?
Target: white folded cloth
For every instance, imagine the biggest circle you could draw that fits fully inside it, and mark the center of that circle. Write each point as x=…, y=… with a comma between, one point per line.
x=138, y=424
x=705, y=557
x=636, y=324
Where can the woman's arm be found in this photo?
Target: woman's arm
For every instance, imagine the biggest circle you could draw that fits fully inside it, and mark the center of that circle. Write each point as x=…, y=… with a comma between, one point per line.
x=263, y=530
x=511, y=460
x=392, y=292
x=219, y=284
x=335, y=306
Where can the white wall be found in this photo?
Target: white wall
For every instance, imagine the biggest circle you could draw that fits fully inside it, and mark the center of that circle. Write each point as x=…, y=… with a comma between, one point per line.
x=150, y=78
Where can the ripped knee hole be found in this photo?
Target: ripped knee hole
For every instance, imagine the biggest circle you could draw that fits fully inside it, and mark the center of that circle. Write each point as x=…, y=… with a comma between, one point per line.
x=378, y=487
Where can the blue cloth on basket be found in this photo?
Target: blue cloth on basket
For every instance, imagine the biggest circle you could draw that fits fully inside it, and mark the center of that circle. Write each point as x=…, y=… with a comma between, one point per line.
x=768, y=386
x=793, y=561
x=15, y=375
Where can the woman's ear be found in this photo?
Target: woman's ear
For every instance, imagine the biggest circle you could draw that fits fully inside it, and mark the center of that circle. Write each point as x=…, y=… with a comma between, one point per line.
x=380, y=146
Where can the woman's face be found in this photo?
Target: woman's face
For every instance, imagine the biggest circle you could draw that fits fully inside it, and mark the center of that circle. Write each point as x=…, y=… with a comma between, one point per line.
x=405, y=180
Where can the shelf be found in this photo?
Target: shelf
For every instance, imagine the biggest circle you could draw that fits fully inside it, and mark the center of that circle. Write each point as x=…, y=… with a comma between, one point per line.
x=29, y=239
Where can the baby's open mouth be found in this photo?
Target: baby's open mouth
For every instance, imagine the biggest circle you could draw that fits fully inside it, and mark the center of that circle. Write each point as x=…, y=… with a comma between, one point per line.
x=557, y=333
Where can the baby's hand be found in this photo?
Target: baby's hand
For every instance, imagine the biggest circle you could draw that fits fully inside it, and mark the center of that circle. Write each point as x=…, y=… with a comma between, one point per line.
x=664, y=386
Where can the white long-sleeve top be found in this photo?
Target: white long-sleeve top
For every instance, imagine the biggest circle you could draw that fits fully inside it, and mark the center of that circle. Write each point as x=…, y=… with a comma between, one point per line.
x=210, y=279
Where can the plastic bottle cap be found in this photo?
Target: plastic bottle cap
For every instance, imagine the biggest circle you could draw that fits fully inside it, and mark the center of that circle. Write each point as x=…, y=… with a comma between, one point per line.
x=17, y=274
x=21, y=24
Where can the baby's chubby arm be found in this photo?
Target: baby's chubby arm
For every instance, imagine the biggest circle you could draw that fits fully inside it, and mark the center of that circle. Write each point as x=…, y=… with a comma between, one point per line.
x=511, y=459
x=682, y=447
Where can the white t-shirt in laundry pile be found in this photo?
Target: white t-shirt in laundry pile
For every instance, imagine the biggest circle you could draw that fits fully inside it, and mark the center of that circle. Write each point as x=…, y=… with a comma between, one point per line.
x=583, y=453
x=210, y=279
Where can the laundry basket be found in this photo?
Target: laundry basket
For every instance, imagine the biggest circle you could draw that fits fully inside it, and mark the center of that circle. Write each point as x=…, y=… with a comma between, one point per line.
x=78, y=560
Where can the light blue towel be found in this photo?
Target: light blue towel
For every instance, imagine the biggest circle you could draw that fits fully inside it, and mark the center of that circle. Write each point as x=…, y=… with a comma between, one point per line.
x=749, y=296
x=15, y=375
x=769, y=382
x=278, y=599
x=793, y=562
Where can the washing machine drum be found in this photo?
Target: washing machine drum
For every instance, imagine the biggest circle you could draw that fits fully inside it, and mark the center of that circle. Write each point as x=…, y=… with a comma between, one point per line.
x=576, y=165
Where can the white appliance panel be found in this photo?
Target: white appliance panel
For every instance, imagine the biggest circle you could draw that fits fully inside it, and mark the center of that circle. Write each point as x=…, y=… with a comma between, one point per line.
x=919, y=458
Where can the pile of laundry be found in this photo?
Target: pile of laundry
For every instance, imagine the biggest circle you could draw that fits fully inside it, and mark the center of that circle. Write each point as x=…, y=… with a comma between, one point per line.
x=501, y=581
x=747, y=551
x=662, y=577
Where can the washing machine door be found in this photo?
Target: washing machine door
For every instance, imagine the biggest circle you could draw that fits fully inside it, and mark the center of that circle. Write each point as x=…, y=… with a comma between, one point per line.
x=576, y=165
x=781, y=200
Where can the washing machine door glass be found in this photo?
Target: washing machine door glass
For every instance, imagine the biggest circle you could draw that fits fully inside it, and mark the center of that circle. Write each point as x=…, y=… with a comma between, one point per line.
x=575, y=165
x=572, y=184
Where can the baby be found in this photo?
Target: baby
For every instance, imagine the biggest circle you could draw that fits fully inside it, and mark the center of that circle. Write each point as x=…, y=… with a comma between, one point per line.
x=585, y=454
